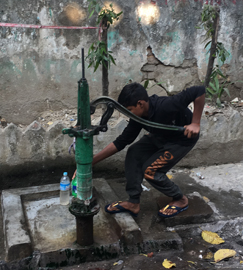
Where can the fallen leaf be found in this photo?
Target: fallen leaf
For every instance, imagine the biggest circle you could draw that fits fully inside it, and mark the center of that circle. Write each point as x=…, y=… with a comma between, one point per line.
x=208, y=256
x=212, y=237
x=50, y=123
x=169, y=176
x=191, y=262
x=150, y=255
x=223, y=254
x=206, y=199
x=143, y=254
x=168, y=264
x=241, y=262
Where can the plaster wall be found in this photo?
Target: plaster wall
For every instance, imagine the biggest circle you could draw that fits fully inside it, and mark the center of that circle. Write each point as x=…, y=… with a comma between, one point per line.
x=32, y=148
x=39, y=69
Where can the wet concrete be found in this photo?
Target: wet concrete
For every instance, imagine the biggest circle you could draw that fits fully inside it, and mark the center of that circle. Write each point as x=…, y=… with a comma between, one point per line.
x=212, y=207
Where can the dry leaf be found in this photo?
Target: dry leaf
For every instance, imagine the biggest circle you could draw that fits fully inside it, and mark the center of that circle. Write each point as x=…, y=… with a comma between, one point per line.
x=212, y=237
x=208, y=256
x=50, y=123
x=143, y=254
x=168, y=264
x=223, y=254
x=206, y=199
x=150, y=255
x=241, y=262
x=169, y=176
x=191, y=262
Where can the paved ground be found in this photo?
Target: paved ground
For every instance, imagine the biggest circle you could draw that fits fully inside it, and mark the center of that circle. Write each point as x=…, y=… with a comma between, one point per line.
x=221, y=189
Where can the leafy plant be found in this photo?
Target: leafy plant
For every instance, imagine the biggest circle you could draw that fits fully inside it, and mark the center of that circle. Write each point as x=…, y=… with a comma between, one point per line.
x=98, y=55
x=146, y=83
x=217, y=89
x=209, y=23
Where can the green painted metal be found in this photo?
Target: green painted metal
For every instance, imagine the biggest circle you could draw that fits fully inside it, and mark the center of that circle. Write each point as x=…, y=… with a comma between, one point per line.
x=84, y=142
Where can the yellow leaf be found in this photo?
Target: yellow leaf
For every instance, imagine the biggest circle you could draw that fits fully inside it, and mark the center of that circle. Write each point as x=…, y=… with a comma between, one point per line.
x=206, y=199
x=168, y=264
x=169, y=176
x=208, y=256
x=50, y=123
x=241, y=262
x=143, y=254
x=223, y=254
x=212, y=237
x=191, y=262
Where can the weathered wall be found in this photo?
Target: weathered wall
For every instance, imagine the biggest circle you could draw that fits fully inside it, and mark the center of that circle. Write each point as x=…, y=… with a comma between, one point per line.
x=33, y=148
x=39, y=69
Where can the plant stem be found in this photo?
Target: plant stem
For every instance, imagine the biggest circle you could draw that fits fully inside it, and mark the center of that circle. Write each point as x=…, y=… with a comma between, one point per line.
x=105, y=81
x=213, y=47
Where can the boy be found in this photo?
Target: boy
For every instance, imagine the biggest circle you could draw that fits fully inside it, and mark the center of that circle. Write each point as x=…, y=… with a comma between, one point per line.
x=156, y=153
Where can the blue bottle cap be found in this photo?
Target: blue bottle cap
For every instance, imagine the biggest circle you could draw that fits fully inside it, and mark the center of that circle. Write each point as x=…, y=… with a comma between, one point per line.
x=65, y=173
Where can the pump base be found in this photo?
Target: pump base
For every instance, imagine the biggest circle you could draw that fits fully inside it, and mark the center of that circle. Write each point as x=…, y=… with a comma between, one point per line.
x=84, y=212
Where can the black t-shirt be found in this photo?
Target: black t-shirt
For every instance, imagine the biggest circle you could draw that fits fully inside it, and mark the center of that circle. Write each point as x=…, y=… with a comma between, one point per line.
x=172, y=110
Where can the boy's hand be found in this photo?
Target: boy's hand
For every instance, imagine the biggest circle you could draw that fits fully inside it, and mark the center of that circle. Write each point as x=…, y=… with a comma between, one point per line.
x=192, y=130
x=74, y=174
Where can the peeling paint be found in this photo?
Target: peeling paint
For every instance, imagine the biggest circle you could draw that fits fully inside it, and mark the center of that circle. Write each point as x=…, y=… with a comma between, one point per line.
x=113, y=39
x=132, y=52
x=172, y=52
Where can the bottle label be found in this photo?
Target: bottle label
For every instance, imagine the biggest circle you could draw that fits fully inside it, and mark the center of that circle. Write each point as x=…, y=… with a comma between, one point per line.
x=64, y=187
x=74, y=189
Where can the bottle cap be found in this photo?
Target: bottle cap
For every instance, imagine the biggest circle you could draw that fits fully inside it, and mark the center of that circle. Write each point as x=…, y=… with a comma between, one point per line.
x=65, y=173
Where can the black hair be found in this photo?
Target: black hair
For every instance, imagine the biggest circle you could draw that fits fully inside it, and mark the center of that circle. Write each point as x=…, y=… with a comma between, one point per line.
x=131, y=94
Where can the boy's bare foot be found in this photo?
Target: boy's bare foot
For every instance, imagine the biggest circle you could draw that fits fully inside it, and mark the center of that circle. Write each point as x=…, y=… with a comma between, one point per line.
x=182, y=203
x=133, y=207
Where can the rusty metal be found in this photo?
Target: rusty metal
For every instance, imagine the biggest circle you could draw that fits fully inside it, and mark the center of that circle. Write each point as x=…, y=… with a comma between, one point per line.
x=84, y=212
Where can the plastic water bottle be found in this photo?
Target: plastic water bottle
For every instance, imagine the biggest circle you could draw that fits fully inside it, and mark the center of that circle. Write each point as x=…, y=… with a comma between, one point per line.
x=64, y=189
x=74, y=187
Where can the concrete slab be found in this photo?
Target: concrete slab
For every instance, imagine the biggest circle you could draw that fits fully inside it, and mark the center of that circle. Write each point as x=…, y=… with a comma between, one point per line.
x=198, y=212
x=34, y=220
x=37, y=226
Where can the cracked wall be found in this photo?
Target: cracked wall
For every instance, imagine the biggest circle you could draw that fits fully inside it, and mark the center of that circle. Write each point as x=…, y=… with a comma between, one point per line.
x=34, y=148
x=39, y=69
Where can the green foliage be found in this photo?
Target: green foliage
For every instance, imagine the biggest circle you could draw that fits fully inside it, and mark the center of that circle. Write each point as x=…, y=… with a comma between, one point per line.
x=108, y=15
x=217, y=89
x=104, y=14
x=98, y=55
x=146, y=83
x=208, y=15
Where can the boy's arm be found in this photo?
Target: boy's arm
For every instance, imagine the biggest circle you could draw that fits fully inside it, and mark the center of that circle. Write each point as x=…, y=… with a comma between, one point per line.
x=193, y=129
x=108, y=151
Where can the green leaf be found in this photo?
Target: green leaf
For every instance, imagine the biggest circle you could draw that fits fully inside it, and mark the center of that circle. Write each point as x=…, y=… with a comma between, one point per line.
x=218, y=102
x=96, y=66
x=213, y=86
x=92, y=12
x=146, y=84
x=227, y=91
x=207, y=44
x=216, y=80
x=112, y=59
x=210, y=91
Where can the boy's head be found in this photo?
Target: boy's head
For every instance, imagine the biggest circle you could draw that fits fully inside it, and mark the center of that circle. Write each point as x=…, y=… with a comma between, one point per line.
x=135, y=98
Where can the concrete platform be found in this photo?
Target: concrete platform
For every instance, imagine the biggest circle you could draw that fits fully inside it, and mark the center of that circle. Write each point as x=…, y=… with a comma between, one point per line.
x=39, y=233
x=35, y=223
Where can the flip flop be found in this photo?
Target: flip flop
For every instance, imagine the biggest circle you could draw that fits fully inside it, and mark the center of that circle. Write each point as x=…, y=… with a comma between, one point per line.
x=120, y=210
x=179, y=210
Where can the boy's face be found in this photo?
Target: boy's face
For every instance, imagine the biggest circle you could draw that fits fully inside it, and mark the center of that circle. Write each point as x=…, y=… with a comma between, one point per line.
x=138, y=110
